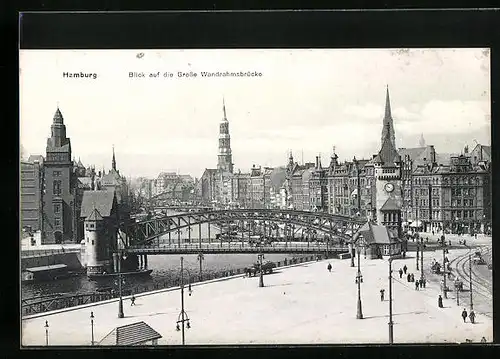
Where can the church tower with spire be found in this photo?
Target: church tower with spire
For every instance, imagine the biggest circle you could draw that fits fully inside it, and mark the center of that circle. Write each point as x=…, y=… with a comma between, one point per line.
x=225, y=158
x=388, y=123
x=59, y=211
x=387, y=164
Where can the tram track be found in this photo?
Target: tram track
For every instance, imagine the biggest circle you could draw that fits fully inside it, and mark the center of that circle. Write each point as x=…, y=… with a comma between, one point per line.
x=480, y=286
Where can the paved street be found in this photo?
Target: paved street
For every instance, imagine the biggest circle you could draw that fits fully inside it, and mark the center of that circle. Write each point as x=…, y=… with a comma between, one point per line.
x=304, y=304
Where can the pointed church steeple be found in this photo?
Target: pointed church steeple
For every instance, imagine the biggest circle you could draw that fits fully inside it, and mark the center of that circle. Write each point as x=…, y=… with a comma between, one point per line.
x=224, y=109
x=421, y=141
x=388, y=123
x=113, y=161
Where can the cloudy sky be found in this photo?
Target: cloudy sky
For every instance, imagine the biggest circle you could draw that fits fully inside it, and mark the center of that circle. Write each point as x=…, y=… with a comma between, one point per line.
x=306, y=101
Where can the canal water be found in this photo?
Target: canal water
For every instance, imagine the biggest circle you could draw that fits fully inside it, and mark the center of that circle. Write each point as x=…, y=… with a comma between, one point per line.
x=166, y=268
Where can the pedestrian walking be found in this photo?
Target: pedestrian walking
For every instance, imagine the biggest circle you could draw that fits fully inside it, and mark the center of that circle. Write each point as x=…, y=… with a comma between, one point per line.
x=423, y=282
x=400, y=273
x=420, y=283
x=408, y=277
x=475, y=235
x=440, y=301
x=132, y=300
x=472, y=316
x=329, y=267
x=405, y=268
x=412, y=277
x=416, y=285
x=382, y=292
x=464, y=314
x=483, y=340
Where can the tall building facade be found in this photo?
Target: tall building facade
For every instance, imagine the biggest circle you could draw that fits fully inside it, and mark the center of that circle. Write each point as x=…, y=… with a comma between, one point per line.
x=60, y=217
x=225, y=158
x=31, y=199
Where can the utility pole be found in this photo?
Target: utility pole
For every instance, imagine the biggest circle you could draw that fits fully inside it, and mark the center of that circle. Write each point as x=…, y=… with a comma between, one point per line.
x=445, y=293
x=391, y=324
x=470, y=282
x=422, y=258
x=359, y=280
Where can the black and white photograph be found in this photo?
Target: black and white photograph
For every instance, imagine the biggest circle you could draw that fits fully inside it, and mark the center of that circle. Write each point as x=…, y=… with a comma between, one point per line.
x=255, y=196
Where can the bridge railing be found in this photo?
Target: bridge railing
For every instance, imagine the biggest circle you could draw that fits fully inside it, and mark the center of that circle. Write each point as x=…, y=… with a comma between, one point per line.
x=237, y=248
x=46, y=252
x=30, y=306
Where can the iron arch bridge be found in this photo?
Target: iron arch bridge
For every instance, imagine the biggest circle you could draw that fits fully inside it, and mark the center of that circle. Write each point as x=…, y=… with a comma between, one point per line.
x=334, y=226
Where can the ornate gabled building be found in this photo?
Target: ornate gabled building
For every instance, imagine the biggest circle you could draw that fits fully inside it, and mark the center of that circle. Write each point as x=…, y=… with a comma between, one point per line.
x=453, y=198
x=113, y=180
x=60, y=210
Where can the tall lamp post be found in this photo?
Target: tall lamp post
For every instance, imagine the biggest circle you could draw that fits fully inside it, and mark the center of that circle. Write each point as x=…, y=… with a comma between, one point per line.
x=260, y=257
x=418, y=255
x=422, y=276
x=92, y=326
x=359, y=280
x=201, y=258
x=470, y=276
x=391, y=324
x=46, y=332
x=119, y=282
x=183, y=317
x=443, y=243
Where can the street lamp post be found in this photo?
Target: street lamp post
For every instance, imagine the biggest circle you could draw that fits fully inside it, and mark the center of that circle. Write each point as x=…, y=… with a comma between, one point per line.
x=92, y=326
x=391, y=324
x=359, y=280
x=183, y=317
x=201, y=258
x=470, y=282
x=417, y=256
x=422, y=276
x=445, y=293
x=46, y=332
x=120, y=282
x=261, y=276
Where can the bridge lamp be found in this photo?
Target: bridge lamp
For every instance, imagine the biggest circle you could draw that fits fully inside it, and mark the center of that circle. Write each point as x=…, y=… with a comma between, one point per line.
x=46, y=332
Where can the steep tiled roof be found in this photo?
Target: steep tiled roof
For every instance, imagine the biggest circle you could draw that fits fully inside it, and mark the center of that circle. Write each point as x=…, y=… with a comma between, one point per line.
x=100, y=200
x=391, y=205
x=34, y=158
x=387, y=154
x=85, y=182
x=131, y=334
x=376, y=234
x=94, y=216
x=413, y=153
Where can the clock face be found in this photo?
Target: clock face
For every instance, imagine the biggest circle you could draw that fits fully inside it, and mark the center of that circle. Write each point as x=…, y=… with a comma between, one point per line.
x=389, y=187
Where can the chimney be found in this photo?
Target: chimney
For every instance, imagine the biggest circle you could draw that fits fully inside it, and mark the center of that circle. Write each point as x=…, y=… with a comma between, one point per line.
x=432, y=154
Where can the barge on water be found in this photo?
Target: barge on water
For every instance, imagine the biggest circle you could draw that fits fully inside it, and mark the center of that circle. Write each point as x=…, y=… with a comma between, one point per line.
x=50, y=272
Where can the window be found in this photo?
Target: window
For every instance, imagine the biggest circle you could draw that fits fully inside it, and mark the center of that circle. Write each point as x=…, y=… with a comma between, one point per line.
x=56, y=173
x=57, y=222
x=57, y=188
x=57, y=208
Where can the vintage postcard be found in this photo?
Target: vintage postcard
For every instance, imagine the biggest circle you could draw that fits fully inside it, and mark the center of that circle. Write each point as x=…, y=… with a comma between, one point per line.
x=255, y=196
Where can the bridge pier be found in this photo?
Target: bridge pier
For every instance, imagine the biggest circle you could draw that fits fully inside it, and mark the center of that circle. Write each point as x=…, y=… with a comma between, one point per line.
x=145, y=261
x=140, y=261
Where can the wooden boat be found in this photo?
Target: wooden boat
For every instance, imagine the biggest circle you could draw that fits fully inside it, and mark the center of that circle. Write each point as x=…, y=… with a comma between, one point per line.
x=136, y=273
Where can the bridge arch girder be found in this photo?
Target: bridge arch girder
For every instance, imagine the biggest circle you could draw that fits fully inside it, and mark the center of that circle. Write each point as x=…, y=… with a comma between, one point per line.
x=333, y=225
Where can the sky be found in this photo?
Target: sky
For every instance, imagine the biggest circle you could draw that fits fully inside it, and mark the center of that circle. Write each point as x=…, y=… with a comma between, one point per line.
x=306, y=101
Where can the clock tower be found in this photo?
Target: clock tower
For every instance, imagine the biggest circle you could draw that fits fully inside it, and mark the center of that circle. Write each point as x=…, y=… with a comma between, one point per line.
x=388, y=184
